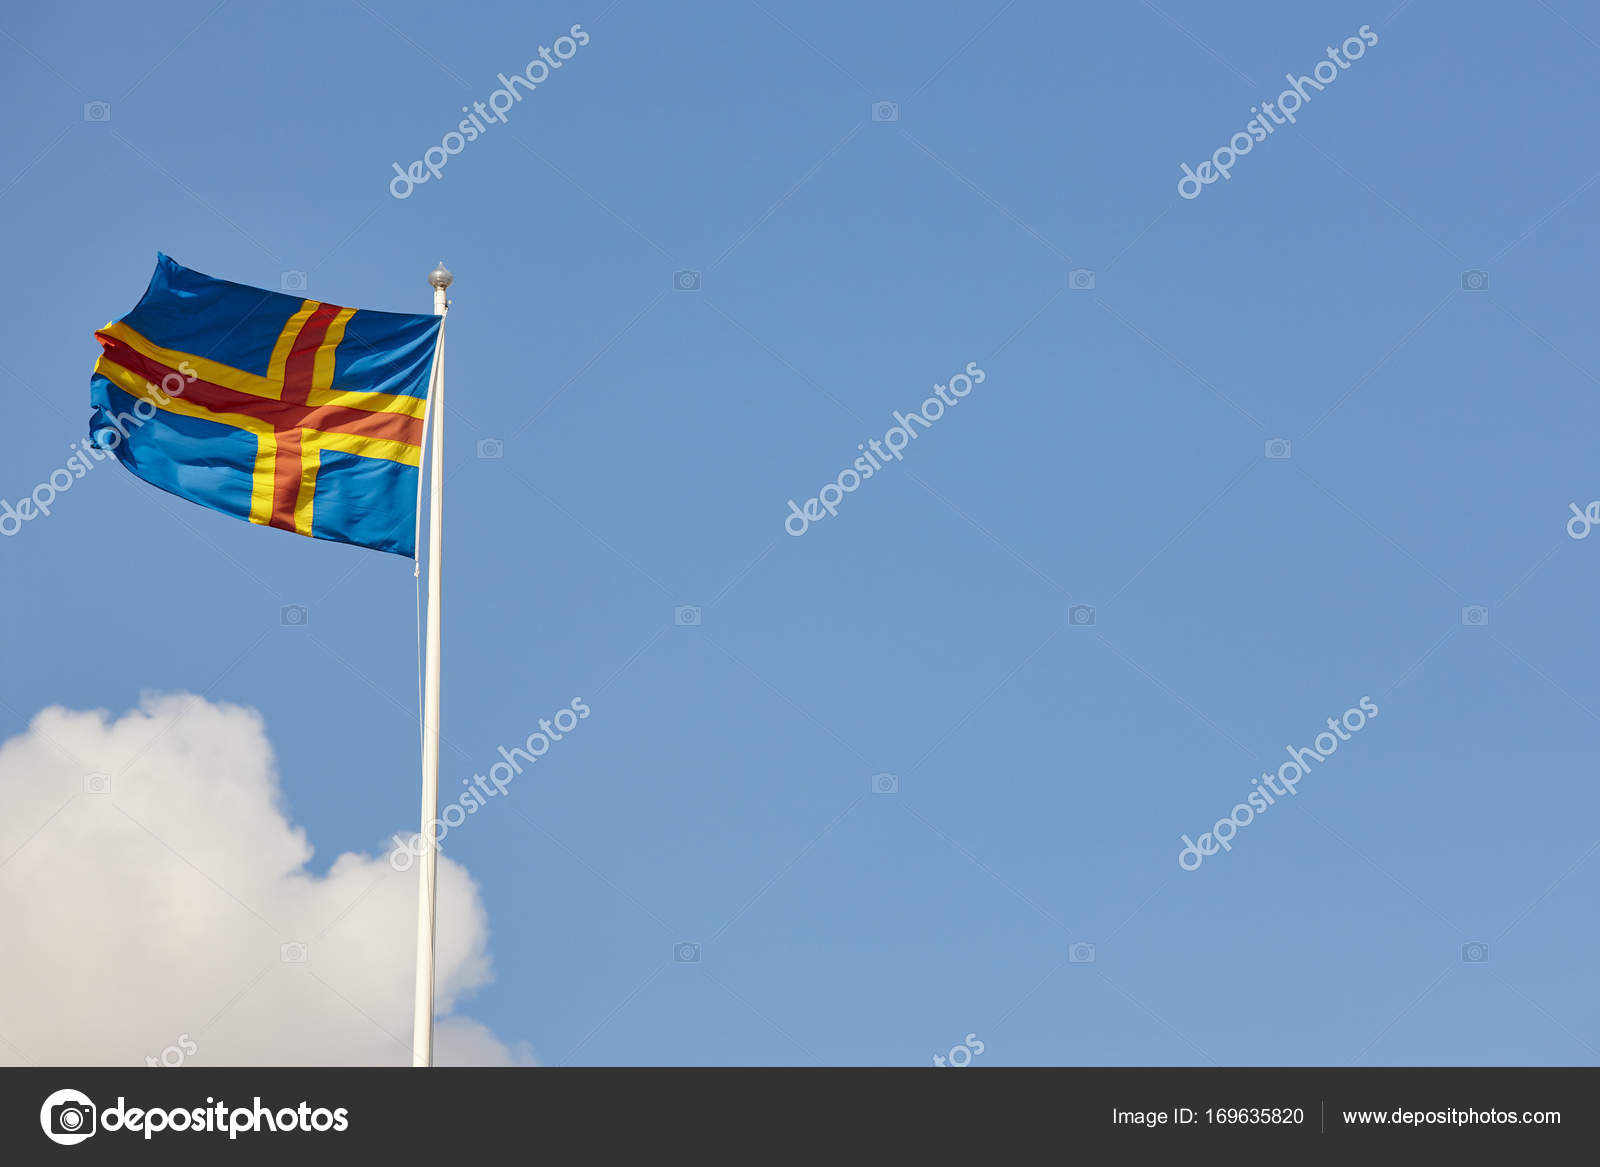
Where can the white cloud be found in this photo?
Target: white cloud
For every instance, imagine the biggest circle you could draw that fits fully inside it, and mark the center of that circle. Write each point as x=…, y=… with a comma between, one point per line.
x=160, y=909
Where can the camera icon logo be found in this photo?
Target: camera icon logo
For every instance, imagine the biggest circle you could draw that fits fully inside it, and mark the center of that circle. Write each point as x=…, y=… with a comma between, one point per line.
x=1080, y=616
x=1081, y=953
x=97, y=783
x=686, y=953
x=292, y=616
x=1277, y=448
x=68, y=1117
x=885, y=784
x=97, y=111
x=293, y=952
x=885, y=111
x=1080, y=279
x=1475, y=952
x=686, y=281
x=1475, y=280
x=686, y=616
x=293, y=281
x=491, y=448
x=1475, y=615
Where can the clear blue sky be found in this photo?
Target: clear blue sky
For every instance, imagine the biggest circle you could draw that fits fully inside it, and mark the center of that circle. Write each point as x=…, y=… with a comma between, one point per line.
x=1113, y=457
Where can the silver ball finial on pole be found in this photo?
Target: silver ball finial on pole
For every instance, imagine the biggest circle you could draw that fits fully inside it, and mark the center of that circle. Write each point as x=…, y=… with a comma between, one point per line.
x=441, y=279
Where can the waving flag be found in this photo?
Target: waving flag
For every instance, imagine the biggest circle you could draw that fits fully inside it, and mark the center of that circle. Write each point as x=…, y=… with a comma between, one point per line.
x=287, y=412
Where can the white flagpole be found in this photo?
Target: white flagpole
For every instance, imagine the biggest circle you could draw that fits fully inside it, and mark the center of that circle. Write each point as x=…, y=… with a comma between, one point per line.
x=427, y=899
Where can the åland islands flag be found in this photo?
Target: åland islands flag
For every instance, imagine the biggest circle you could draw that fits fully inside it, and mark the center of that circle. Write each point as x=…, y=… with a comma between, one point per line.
x=287, y=412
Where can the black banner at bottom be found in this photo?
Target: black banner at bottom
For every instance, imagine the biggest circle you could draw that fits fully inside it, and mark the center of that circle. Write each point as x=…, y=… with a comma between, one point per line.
x=751, y=1115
